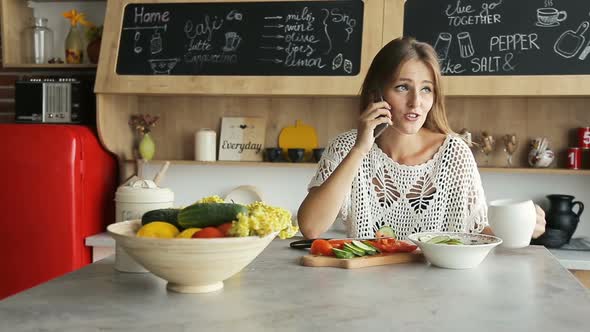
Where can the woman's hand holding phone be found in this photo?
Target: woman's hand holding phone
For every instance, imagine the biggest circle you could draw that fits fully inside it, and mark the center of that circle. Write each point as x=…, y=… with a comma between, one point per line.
x=376, y=116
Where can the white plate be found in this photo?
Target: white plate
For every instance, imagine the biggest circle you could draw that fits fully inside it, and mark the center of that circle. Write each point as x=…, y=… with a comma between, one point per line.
x=244, y=195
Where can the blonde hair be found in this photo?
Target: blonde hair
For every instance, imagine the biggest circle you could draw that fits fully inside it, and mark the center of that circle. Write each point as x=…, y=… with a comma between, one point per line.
x=387, y=64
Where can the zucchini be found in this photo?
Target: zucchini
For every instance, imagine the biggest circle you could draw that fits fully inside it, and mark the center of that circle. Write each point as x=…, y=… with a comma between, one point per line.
x=203, y=215
x=169, y=215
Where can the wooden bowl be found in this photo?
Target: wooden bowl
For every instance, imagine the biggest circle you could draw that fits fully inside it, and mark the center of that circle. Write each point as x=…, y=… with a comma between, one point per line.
x=189, y=265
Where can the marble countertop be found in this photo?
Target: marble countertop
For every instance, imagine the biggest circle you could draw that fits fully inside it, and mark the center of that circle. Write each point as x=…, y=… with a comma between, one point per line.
x=512, y=290
x=570, y=259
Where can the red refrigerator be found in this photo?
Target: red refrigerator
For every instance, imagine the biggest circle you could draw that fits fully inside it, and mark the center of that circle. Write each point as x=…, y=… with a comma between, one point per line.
x=58, y=185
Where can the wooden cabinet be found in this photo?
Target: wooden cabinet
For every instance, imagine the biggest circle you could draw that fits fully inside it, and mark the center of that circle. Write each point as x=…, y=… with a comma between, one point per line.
x=485, y=86
x=18, y=14
x=109, y=82
x=548, y=106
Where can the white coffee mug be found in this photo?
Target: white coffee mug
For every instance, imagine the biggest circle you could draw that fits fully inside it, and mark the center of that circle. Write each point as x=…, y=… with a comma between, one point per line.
x=513, y=221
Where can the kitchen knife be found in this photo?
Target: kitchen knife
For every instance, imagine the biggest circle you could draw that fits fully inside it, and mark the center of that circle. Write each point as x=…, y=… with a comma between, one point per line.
x=306, y=244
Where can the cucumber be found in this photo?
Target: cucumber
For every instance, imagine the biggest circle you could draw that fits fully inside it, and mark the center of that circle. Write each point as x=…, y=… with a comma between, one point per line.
x=368, y=250
x=356, y=251
x=203, y=215
x=439, y=239
x=169, y=215
x=342, y=254
x=385, y=231
x=368, y=244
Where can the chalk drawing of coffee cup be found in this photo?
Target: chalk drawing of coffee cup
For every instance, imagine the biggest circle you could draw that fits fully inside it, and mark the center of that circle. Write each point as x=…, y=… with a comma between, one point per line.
x=442, y=44
x=549, y=17
x=465, y=45
x=232, y=41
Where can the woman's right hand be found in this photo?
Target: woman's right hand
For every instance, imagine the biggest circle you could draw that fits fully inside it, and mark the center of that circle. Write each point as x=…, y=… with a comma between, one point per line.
x=373, y=115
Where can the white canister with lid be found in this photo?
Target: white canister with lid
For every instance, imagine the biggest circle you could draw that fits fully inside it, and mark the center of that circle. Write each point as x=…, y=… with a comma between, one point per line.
x=205, y=145
x=132, y=200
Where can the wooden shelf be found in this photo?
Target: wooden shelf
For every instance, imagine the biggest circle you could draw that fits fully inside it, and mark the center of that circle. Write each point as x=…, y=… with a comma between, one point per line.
x=553, y=171
x=514, y=170
x=234, y=163
x=49, y=65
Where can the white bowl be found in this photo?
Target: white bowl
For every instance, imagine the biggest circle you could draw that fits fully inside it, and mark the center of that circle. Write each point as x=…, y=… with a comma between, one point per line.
x=189, y=265
x=459, y=256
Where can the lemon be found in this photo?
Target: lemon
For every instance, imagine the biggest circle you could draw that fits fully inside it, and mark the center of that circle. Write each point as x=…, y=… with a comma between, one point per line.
x=188, y=233
x=158, y=229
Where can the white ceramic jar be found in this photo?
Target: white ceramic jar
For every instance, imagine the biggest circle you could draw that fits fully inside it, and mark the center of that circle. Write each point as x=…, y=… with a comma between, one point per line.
x=132, y=200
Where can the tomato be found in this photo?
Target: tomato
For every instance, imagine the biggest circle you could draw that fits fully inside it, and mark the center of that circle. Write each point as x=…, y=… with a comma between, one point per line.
x=392, y=245
x=224, y=228
x=339, y=243
x=406, y=246
x=208, y=232
x=321, y=247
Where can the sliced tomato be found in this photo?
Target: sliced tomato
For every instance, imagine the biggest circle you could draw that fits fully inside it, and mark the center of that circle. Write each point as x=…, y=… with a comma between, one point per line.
x=321, y=247
x=406, y=246
x=339, y=243
x=392, y=245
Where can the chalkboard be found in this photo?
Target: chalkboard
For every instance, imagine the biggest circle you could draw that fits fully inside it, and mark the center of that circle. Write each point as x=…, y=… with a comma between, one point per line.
x=313, y=38
x=504, y=37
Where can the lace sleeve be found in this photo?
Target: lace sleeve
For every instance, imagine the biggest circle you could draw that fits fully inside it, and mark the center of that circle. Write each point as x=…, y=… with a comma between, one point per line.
x=470, y=209
x=476, y=219
x=334, y=153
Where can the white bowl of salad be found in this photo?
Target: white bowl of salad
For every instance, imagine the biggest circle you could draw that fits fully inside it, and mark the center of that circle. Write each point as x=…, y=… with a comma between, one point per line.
x=454, y=250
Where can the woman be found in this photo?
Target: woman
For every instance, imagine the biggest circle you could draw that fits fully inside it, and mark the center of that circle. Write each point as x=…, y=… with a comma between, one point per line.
x=416, y=176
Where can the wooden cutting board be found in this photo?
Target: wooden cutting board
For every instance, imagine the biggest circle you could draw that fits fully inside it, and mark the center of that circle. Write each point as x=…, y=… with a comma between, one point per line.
x=365, y=261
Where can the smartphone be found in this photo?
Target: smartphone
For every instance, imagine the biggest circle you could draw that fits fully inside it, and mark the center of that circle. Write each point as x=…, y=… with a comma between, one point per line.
x=380, y=127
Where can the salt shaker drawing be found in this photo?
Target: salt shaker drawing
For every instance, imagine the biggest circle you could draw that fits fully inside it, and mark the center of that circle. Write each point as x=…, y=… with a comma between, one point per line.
x=465, y=45
x=442, y=44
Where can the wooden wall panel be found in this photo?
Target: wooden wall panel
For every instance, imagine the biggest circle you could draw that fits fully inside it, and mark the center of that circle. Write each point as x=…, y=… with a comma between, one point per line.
x=182, y=116
x=555, y=118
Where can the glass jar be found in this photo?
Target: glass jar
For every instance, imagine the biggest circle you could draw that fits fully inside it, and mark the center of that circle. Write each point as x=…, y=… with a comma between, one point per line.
x=38, y=42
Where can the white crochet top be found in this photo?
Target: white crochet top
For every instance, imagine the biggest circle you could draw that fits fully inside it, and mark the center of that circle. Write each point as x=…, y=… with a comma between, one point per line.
x=442, y=194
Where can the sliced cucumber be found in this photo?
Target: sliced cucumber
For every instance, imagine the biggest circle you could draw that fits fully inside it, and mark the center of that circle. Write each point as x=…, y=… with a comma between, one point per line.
x=356, y=251
x=342, y=254
x=368, y=250
x=367, y=243
x=439, y=239
x=444, y=239
x=385, y=231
